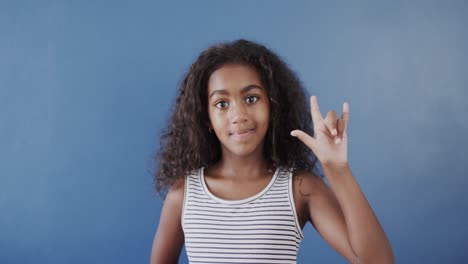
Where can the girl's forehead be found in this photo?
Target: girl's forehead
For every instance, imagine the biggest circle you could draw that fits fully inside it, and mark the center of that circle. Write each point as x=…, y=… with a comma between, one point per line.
x=233, y=77
x=241, y=90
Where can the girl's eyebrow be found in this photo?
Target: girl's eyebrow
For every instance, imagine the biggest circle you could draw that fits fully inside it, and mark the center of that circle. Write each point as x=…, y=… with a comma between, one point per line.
x=243, y=90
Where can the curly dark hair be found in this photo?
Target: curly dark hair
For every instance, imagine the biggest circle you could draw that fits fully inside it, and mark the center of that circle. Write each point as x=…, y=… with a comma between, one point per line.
x=186, y=143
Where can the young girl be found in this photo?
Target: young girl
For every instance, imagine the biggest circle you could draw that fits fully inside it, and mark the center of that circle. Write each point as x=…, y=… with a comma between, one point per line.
x=239, y=158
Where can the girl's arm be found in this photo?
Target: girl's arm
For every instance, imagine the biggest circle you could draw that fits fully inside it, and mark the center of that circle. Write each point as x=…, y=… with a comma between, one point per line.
x=351, y=220
x=366, y=235
x=318, y=205
x=169, y=237
x=349, y=227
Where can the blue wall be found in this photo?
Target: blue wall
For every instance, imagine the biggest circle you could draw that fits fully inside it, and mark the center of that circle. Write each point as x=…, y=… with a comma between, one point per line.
x=85, y=88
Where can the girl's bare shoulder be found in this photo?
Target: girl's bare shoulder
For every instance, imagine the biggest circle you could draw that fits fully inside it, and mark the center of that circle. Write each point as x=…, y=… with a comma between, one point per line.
x=175, y=195
x=307, y=184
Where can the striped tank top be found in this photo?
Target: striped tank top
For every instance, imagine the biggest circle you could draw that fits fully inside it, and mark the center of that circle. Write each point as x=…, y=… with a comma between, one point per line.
x=260, y=229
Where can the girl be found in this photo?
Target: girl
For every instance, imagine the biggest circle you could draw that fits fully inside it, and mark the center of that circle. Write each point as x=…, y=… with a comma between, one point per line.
x=239, y=158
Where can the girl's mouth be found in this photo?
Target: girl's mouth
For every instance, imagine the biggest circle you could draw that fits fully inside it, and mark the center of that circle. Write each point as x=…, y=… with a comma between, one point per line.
x=243, y=133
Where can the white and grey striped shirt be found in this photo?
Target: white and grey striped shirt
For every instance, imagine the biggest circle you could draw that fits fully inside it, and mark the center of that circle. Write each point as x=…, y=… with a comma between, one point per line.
x=260, y=229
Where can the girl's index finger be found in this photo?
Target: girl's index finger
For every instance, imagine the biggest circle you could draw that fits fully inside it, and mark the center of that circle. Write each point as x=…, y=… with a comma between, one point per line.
x=315, y=110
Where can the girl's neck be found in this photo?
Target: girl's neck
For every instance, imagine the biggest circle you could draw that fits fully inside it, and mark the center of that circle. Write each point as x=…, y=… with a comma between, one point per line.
x=242, y=169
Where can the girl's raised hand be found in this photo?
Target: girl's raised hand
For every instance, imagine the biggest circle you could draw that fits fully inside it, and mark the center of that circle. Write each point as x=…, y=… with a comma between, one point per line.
x=330, y=141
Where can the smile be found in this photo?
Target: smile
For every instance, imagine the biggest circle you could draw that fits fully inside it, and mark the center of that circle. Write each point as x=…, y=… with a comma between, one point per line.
x=243, y=134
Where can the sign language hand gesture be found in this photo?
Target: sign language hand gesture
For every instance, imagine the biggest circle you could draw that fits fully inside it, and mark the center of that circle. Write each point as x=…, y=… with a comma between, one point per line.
x=330, y=141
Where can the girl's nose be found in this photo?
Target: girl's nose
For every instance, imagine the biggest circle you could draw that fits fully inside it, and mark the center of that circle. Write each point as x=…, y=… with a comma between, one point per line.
x=239, y=113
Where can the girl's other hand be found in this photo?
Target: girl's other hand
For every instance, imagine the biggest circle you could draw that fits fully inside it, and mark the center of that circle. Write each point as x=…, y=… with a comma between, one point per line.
x=330, y=140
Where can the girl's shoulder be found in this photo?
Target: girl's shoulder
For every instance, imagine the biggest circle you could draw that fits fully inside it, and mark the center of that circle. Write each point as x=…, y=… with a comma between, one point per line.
x=176, y=191
x=178, y=185
x=305, y=182
x=179, y=181
x=175, y=195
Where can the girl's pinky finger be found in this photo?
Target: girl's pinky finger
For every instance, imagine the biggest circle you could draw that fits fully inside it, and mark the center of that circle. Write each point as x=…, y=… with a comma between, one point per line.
x=341, y=127
x=345, y=114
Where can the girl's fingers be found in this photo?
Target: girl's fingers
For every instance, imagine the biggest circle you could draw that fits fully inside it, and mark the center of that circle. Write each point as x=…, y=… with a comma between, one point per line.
x=331, y=123
x=345, y=114
x=341, y=128
x=336, y=127
x=315, y=110
x=305, y=138
x=343, y=122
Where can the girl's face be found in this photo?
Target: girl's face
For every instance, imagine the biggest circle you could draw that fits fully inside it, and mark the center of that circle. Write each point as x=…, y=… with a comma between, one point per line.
x=238, y=108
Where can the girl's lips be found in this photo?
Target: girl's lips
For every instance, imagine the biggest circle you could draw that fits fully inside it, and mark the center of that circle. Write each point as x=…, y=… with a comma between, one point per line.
x=243, y=133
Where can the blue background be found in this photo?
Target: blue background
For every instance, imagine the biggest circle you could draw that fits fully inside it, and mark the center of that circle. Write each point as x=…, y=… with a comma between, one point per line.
x=86, y=86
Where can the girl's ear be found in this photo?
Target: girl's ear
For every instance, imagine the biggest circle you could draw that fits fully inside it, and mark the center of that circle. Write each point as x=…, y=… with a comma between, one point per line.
x=209, y=127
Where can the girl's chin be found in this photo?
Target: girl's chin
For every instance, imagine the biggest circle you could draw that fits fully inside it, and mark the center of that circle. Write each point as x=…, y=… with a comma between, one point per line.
x=240, y=149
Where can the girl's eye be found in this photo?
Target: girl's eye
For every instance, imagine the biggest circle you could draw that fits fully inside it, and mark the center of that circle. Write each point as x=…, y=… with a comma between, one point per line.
x=221, y=103
x=252, y=96
x=250, y=99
